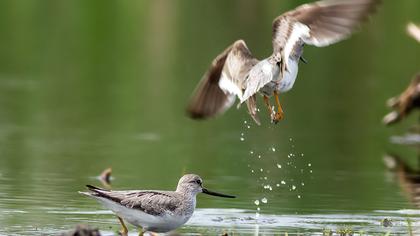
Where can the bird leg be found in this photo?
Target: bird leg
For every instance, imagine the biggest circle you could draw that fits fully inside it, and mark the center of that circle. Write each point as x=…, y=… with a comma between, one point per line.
x=267, y=103
x=124, y=230
x=280, y=114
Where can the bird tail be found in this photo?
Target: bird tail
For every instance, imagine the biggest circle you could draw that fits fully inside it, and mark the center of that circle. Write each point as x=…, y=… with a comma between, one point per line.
x=94, y=191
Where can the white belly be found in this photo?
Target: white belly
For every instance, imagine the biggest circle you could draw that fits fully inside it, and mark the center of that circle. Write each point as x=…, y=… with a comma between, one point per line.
x=282, y=84
x=289, y=77
x=159, y=224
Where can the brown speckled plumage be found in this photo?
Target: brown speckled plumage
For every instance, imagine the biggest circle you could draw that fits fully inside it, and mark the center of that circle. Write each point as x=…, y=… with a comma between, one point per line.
x=236, y=73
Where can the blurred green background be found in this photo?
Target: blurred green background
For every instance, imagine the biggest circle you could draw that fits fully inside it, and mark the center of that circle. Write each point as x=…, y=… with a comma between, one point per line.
x=86, y=85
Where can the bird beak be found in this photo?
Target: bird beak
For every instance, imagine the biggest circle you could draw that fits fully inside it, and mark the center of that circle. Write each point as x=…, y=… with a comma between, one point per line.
x=217, y=194
x=303, y=60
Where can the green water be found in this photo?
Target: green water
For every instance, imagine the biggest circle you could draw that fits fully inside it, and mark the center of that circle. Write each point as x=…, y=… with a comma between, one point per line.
x=86, y=85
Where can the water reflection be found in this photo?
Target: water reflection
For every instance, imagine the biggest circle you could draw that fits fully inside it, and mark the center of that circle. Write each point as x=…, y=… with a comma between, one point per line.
x=89, y=84
x=105, y=178
x=408, y=178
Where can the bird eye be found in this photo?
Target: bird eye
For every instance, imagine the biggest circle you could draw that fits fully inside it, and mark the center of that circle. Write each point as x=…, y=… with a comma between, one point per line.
x=198, y=182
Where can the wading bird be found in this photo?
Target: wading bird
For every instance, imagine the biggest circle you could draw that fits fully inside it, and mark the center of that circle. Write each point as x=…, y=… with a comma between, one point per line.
x=236, y=73
x=151, y=210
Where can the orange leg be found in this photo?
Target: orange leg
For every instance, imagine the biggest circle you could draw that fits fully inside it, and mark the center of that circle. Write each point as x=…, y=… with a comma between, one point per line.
x=280, y=114
x=124, y=230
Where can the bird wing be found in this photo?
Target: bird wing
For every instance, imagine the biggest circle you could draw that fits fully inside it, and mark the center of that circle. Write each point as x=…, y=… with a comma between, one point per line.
x=222, y=82
x=320, y=24
x=251, y=104
x=328, y=22
x=260, y=75
x=149, y=201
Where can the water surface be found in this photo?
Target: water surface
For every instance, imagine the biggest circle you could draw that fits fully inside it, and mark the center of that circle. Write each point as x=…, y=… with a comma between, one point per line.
x=86, y=85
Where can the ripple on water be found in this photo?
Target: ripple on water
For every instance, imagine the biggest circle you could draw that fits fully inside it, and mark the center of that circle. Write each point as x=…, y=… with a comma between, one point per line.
x=238, y=221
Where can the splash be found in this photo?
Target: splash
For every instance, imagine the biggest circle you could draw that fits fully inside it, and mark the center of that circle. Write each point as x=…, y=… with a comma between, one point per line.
x=283, y=175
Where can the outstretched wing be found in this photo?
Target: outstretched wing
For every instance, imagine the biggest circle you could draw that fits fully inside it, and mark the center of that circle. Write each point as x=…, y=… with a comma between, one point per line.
x=150, y=202
x=222, y=82
x=320, y=24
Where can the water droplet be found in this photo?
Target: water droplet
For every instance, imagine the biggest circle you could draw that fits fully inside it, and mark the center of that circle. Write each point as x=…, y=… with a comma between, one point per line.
x=278, y=185
x=257, y=202
x=242, y=139
x=301, y=155
x=261, y=169
x=264, y=200
x=279, y=166
x=248, y=126
x=283, y=182
x=273, y=149
x=310, y=171
x=265, y=177
x=251, y=152
x=290, y=139
x=252, y=171
x=242, y=134
x=245, y=122
x=259, y=156
x=309, y=164
x=293, y=187
x=303, y=184
x=298, y=196
x=258, y=209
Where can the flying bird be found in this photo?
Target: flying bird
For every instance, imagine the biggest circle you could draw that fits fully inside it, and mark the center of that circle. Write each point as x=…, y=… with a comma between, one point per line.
x=237, y=73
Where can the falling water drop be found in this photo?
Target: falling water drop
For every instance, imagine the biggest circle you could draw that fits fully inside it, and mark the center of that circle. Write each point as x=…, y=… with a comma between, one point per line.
x=264, y=200
x=257, y=202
